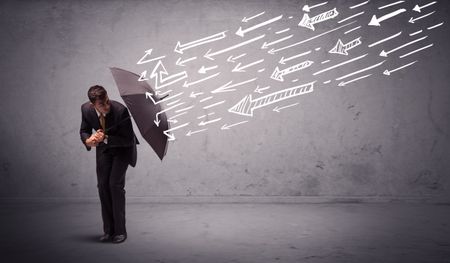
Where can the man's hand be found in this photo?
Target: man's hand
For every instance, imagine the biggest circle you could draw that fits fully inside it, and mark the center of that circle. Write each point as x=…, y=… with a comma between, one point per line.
x=91, y=141
x=99, y=135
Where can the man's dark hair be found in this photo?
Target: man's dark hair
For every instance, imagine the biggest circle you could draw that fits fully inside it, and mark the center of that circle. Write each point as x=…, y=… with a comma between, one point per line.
x=96, y=92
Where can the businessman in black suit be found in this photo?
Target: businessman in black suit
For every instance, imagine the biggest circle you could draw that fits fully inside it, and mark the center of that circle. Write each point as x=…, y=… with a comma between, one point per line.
x=115, y=144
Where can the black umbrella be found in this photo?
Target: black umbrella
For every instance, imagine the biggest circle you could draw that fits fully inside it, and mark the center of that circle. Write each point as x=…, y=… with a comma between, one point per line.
x=143, y=110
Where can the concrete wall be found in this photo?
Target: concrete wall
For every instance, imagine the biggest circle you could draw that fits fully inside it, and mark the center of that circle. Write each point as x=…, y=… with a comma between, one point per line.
x=379, y=136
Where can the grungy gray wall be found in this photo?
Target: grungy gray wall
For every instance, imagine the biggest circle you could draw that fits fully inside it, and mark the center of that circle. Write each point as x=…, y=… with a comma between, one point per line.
x=377, y=136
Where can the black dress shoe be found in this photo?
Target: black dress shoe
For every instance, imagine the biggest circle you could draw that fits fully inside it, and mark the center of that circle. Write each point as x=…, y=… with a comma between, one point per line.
x=105, y=238
x=119, y=238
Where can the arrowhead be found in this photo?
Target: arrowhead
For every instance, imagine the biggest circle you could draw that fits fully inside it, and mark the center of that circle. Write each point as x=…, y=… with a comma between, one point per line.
x=386, y=72
x=202, y=70
x=244, y=19
x=306, y=8
x=157, y=122
x=230, y=59
x=207, y=55
x=170, y=136
x=276, y=75
x=224, y=127
x=179, y=62
x=178, y=48
x=222, y=88
x=383, y=53
x=185, y=84
x=188, y=133
x=341, y=84
x=282, y=61
x=201, y=123
x=142, y=76
x=148, y=95
x=264, y=45
x=239, y=32
x=258, y=90
x=411, y=20
x=237, y=69
x=276, y=109
x=147, y=53
x=338, y=48
x=271, y=51
x=192, y=95
x=160, y=71
x=374, y=21
x=243, y=107
x=306, y=22
x=417, y=8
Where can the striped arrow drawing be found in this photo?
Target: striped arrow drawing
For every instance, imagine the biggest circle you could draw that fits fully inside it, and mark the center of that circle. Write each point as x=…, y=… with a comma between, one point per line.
x=179, y=48
x=247, y=105
x=342, y=49
x=278, y=74
x=309, y=22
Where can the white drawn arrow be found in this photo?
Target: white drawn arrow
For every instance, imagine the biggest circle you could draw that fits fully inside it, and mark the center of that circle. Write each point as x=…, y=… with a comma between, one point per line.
x=227, y=87
x=210, y=56
x=149, y=95
x=388, y=72
x=260, y=90
x=144, y=59
x=157, y=120
x=386, y=53
x=412, y=20
x=238, y=67
x=247, y=105
x=143, y=76
x=342, y=49
x=203, y=123
x=284, y=60
x=245, y=19
x=188, y=84
x=418, y=8
x=172, y=119
x=194, y=95
x=179, y=48
x=189, y=133
x=278, y=109
x=181, y=62
x=171, y=136
x=160, y=81
x=241, y=32
x=227, y=127
x=266, y=45
x=376, y=21
x=310, y=22
x=233, y=59
x=278, y=74
x=308, y=8
x=204, y=69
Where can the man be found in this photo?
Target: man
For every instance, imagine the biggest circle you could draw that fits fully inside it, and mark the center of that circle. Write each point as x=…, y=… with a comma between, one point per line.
x=115, y=144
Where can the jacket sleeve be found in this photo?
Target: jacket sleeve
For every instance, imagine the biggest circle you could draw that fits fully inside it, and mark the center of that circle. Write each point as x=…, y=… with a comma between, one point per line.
x=85, y=130
x=124, y=137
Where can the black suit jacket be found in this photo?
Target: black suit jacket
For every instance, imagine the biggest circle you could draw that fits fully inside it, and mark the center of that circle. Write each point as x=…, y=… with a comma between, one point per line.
x=121, y=137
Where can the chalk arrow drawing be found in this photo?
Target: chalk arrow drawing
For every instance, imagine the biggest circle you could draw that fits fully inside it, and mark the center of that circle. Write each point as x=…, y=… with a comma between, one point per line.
x=143, y=76
x=204, y=69
x=194, y=95
x=388, y=72
x=283, y=60
x=238, y=67
x=189, y=133
x=247, y=105
x=210, y=55
x=240, y=32
x=233, y=59
x=227, y=127
x=412, y=20
x=181, y=62
x=260, y=90
x=149, y=95
x=278, y=109
x=171, y=136
x=245, y=19
x=342, y=49
x=227, y=87
x=203, y=123
x=179, y=48
x=267, y=45
x=310, y=22
x=343, y=83
x=188, y=84
x=161, y=81
x=278, y=74
x=144, y=59
x=386, y=53
x=157, y=120
x=308, y=8
x=376, y=21
x=418, y=8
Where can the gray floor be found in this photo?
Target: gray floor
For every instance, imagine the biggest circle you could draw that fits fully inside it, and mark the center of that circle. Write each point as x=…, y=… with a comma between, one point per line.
x=385, y=232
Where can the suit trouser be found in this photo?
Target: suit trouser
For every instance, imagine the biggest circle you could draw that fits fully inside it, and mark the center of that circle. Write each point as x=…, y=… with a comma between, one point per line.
x=111, y=169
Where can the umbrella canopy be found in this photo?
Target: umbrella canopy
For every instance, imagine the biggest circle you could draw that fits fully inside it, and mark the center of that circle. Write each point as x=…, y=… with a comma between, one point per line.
x=143, y=110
